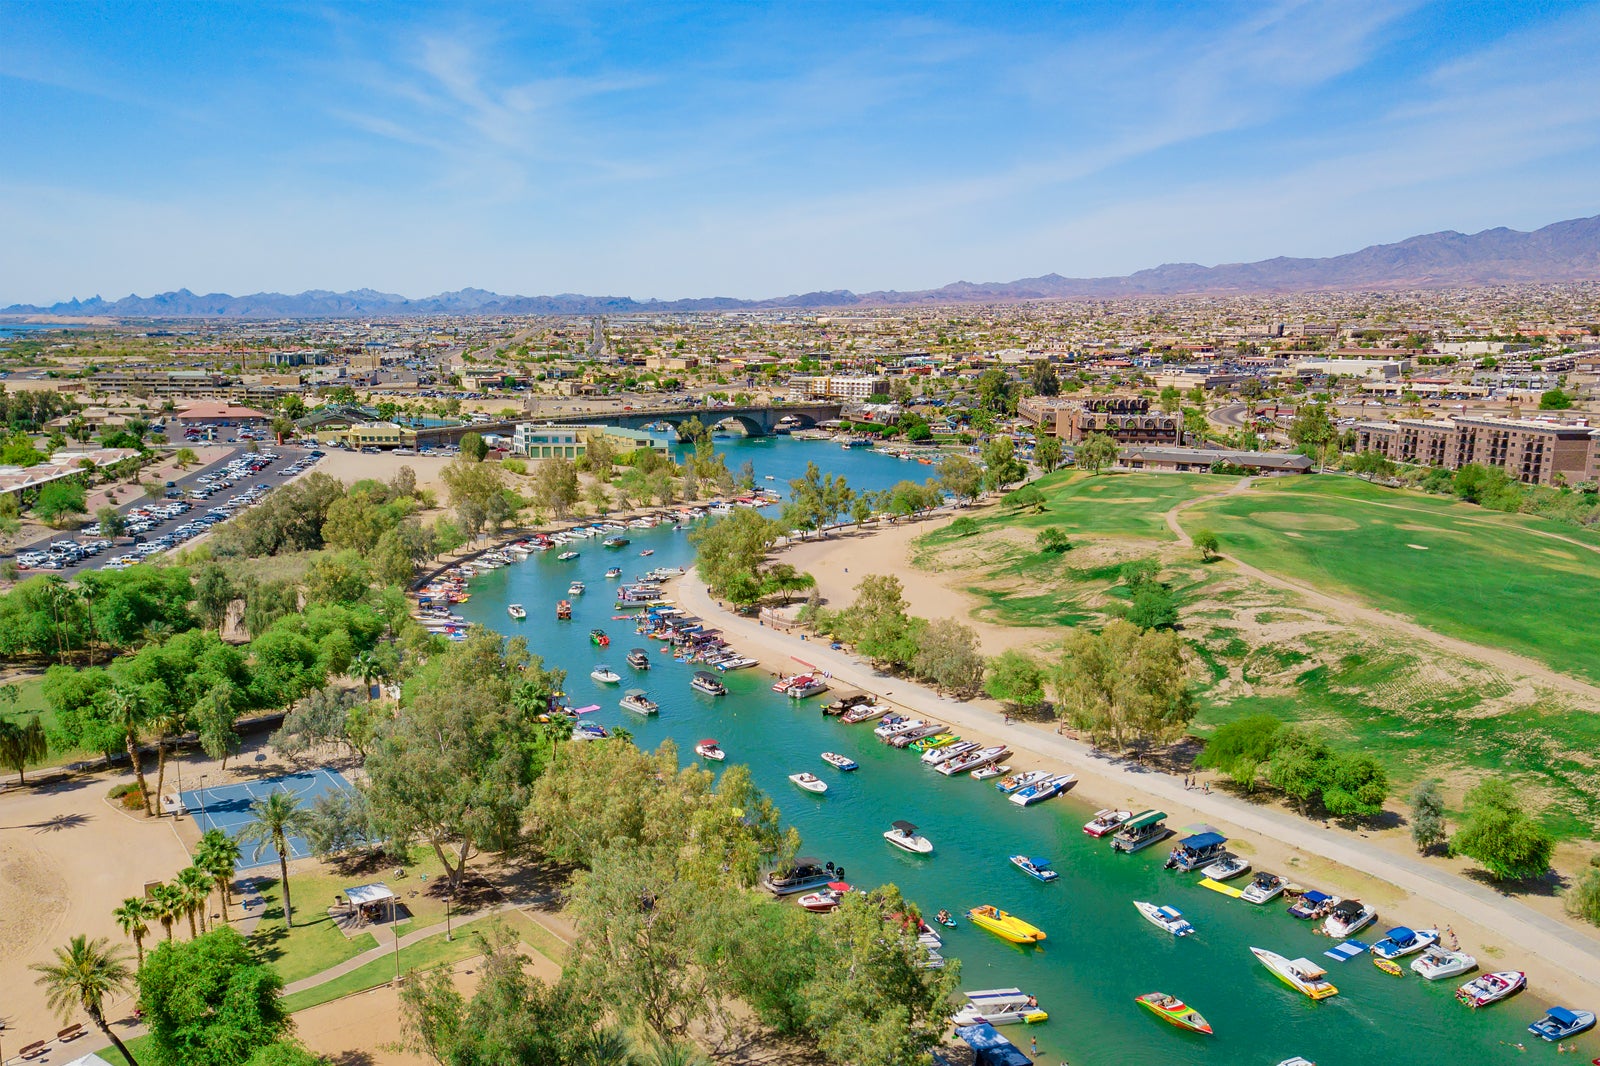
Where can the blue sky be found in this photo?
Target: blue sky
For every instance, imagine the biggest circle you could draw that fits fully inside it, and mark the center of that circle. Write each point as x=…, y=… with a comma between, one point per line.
x=751, y=150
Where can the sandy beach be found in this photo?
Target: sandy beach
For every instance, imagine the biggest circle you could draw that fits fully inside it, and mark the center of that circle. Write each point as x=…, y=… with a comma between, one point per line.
x=1562, y=960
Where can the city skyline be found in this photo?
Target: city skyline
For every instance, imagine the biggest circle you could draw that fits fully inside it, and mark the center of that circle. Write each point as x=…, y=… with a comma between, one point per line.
x=745, y=152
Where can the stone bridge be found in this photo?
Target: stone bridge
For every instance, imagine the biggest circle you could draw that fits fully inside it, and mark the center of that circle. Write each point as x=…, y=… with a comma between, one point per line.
x=758, y=421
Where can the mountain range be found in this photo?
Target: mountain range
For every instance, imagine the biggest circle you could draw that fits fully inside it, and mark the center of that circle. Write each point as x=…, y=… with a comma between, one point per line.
x=1560, y=252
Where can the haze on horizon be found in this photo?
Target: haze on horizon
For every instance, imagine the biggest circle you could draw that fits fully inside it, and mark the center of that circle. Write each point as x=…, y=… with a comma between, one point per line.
x=753, y=151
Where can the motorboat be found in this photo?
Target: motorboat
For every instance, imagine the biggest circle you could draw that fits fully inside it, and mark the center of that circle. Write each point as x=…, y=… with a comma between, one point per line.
x=865, y=712
x=1263, y=888
x=614, y=542
x=1168, y=918
x=575, y=589
x=1348, y=917
x=810, y=782
x=826, y=898
x=598, y=638
x=637, y=702
x=935, y=756
x=1297, y=1060
x=1559, y=1023
x=1003, y=925
x=935, y=742
x=736, y=662
x=974, y=759
x=907, y=737
x=639, y=659
x=564, y=556
x=563, y=610
x=1105, y=821
x=605, y=675
x=1040, y=791
x=1491, y=988
x=801, y=875
x=1300, y=974
x=1312, y=905
x=517, y=611
x=894, y=725
x=1174, y=1011
x=1437, y=963
x=1010, y=784
x=840, y=762
x=998, y=1006
x=1038, y=869
x=708, y=683
x=1226, y=867
x=844, y=703
x=1140, y=831
x=647, y=553
x=984, y=773
x=1402, y=941
x=590, y=731
x=1195, y=851
x=905, y=837
x=805, y=687
x=709, y=749
x=614, y=573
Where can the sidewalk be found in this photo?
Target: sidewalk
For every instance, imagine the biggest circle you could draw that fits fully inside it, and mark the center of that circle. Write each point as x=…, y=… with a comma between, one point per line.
x=386, y=950
x=1565, y=946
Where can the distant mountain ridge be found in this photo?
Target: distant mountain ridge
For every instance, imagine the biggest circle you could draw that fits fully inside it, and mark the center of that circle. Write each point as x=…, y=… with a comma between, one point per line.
x=1562, y=251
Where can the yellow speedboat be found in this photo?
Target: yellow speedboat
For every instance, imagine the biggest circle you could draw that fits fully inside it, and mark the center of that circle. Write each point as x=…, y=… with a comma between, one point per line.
x=1003, y=925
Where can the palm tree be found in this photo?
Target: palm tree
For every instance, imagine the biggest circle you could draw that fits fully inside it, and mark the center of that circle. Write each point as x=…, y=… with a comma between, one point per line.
x=277, y=816
x=218, y=854
x=604, y=1047
x=163, y=722
x=133, y=917
x=126, y=708
x=84, y=974
x=195, y=886
x=166, y=903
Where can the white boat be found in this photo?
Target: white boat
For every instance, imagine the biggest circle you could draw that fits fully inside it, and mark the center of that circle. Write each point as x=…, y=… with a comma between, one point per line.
x=517, y=611
x=614, y=573
x=998, y=1006
x=1166, y=918
x=1226, y=867
x=589, y=731
x=865, y=712
x=890, y=728
x=1140, y=832
x=1040, y=791
x=984, y=773
x=1401, y=941
x=1038, y=869
x=708, y=683
x=709, y=749
x=1437, y=963
x=1105, y=821
x=974, y=759
x=564, y=556
x=1491, y=988
x=842, y=762
x=1348, y=918
x=935, y=756
x=1263, y=888
x=826, y=898
x=1297, y=1060
x=809, y=782
x=1011, y=784
x=904, y=836
x=637, y=702
x=806, y=687
x=605, y=675
x=575, y=589
x=1300, y=974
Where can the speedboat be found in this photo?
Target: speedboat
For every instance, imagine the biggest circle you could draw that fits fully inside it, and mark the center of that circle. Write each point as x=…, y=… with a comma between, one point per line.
x=1140, y=831
x=1105, y=821
x=1401, y=941
x=1297, y=1060
x=1437, y=963
x=615, y=542
x=1167, y=918
x=598, y=638
x=841, y=762
x=709, y=749
x=605, y=675
x=1039, y=869
x=983, y=773
x=935, y=742
x=1174, y=1011
x=863, y=712
x=1226, y=867
x=1195, y=851
x=935, y=756
x=809, y=782
x=804, y=687
x=1559, y=1023
x=589, y=731
x=1011, y=784
x=1301, y=974
x=564, y=556
x=1491, y=988
x=708, y=683
x=801, y=875
x=1348, y=918
x=575, y=589
x=637, y=702
x=826, y=898
x=1263, y=888
x=614, y=573
x=639, y=659
x=904, y=836
x=1312, y=905
x=998, y=1006
x=981, y=757
x=1040, y=790
x=647, y=553
x=844, y=703
x=1003, y=925
x=517, y=611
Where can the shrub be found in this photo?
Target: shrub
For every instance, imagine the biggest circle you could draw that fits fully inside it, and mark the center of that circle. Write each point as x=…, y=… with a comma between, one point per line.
x=964, y=527
x=1583, y=899
x=1052, y=539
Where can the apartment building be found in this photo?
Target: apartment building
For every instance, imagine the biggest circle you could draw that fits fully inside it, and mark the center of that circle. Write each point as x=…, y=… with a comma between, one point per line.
x=1531, y=450
x=1125, y=419
x=851, y=389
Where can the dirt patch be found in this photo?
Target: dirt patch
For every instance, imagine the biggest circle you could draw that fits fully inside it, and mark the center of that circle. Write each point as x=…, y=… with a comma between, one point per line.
x=32, y=892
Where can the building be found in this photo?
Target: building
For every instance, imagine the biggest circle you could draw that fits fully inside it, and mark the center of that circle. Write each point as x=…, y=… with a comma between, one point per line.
x=1534, y=451
x=1201, y=460
x=850, y=389
x=1125, y=419
x=368, y=435
x=1184, y=378
x=214, y=414
x=1371, y=369
x=543, y=441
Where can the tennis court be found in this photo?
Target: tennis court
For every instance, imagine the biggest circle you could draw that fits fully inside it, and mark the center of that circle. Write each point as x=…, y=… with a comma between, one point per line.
x=227, y=807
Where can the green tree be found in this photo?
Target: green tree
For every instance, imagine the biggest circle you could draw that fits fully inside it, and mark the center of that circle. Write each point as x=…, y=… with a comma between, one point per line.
x=1027, y=498
x=1427, y=815
x=555, y=486
x=1170, y=399
x=60, y=500
x=1241, y=748
x=218, y=854
x=22, y=743
x=1015, y=678
x=1153, y=606
x=1042, y=376
x=816, y=500
x=185, y=458
x=948, y=654
x=961, y=477
x=877, y=622
x=284, y=1053
x=195, y=884
x=474, y=447
x=995, y=392
x=1047, y=452
x=731, y=551
x=1313, y=431
x=1095, y=453
x=1554, y=400
x=210, y=1001
x=112, y=523
x=1356, y=786
x=1053, y=539
x=277, y=816
x=85, y=973
x=1207, y=543
x=1001, y=467
x=1500, y=835
x=1124, y=686
x=1582, y=900
x=1370, y=464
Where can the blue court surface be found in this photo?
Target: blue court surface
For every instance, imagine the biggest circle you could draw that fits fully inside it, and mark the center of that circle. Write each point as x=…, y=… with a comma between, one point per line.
x=227, y=807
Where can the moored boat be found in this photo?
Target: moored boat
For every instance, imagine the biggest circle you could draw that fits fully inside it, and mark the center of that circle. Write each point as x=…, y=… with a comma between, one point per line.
x=1402, y=941
x=801, y=875
x=805, y=687
x=564, y=556
x=1348, y=917
x=1039, y=869
x=637, y=702
x=1040, y=791
x=605, y=675
x=1226, y=867
x=845, y=703
x=863, y=712
x=841, y=762
x=590, y=731
x=1559, y=1023
x=826, y=898
x=708, y=683
x=810, y=782
x=983, y=773
x=905, y=837
x=1312, y=905
x=1302, y=975
x=710, y=749
x=1105, y=821
x=1437, y=963
x=1174, y=1011
x=974, y=759
x=944, y=753
x=1195, y=851
x=1003, y=925
x=1141, y=831
x=1163, y=917
x=517, y=611
x=998, y=1006
x=1491, y=988
x=1011, y=784
x=1263, y=888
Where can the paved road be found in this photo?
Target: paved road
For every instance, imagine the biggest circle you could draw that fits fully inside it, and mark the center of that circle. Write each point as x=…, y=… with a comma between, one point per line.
x=1232, y=415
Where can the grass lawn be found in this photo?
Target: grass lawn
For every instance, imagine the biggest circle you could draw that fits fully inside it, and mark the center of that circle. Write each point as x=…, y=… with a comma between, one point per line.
x=424, y=954
x=136, y=1046
x=1470, y=573
x=1113, y=505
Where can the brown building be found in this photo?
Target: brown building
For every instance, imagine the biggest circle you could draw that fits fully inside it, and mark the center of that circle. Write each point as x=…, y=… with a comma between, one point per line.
x=1530, y=450
x=1125, y=419
x=1201, y=460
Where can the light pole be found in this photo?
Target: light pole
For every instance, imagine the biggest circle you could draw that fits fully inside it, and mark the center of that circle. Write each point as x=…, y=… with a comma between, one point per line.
x=448, y=936
x=395, y=932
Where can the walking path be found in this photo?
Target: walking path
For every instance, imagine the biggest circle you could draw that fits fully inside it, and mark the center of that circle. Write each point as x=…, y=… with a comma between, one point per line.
x=1565, y=946
x=387, y=950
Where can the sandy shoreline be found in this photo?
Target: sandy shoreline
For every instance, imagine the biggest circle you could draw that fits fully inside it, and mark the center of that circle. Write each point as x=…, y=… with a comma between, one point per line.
x=1563, y=962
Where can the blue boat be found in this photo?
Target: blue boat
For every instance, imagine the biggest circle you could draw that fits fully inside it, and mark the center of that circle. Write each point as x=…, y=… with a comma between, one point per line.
x=1559, y=1023
x=1196, y=851
x=1035, y=868
x=1401, y=941
x=1312, y=904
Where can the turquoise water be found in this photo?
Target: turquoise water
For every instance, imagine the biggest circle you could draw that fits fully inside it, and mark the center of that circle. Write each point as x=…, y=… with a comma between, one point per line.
x=1100, y=953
